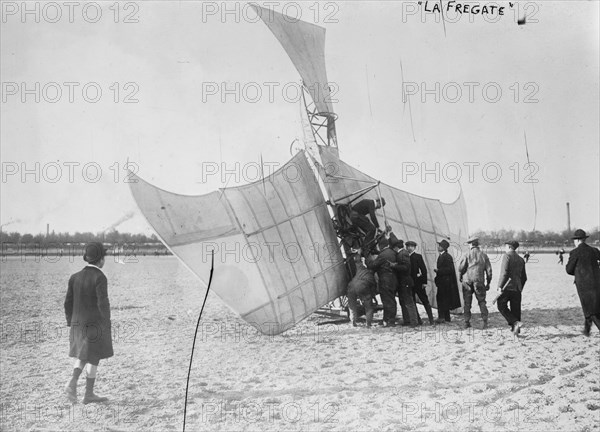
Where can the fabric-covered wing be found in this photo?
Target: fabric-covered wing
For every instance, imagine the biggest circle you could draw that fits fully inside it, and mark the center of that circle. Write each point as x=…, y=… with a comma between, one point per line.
x=304, y=43
x=275, y=249
x=412, y=217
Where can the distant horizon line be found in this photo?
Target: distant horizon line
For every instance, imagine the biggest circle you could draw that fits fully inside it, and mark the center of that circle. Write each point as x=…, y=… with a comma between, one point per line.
x=559, y=231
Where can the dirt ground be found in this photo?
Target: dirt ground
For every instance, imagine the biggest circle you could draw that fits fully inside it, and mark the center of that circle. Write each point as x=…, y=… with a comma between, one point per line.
x=313, y=378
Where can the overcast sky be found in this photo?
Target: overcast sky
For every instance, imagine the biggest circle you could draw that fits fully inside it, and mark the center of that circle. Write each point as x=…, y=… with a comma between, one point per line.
x=177, y=132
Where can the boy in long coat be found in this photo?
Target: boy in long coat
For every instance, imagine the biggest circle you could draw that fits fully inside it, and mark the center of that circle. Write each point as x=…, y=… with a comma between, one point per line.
x=87, y=311
x=447, y=295
x=583, y=264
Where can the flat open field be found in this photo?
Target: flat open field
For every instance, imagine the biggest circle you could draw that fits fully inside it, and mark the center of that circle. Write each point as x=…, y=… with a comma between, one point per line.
x=314, y=378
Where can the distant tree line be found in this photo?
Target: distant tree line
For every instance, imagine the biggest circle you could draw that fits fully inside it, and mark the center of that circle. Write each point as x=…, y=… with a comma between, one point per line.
x=492, y=237
x=112, y=237
x=547, y=238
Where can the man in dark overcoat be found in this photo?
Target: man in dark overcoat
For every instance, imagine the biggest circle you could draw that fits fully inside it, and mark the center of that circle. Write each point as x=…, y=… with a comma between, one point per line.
x=418, y=273
x=388, y=284
x=447, y=295
x=584, y=265
x=510, y=285
x=87, y=311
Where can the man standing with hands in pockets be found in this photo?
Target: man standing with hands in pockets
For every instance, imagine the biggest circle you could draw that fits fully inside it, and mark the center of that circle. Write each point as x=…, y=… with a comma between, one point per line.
x=510, y=284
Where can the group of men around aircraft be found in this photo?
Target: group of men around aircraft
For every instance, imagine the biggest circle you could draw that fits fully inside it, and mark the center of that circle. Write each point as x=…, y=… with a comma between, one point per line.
x=402, y=272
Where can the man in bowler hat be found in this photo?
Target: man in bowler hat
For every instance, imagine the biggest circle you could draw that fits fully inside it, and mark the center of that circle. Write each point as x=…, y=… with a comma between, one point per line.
x=87, y=311
x=476, y=275
x=447, y=295
x=584, y=265
x=510, y=284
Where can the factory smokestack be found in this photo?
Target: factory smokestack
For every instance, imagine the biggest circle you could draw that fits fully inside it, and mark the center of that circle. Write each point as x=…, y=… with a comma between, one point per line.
x=568, y=219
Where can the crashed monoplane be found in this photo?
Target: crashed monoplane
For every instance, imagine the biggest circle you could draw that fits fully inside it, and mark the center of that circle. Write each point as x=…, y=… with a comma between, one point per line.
x=287, y=226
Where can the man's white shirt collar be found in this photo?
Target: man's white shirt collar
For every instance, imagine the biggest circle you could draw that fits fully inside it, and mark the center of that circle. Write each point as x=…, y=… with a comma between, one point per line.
x=92, y=265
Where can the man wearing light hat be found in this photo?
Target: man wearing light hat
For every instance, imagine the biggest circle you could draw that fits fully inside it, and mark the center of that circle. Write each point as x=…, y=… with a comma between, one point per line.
x=87, y=310
x=583, y=264
x=510, y=284
x=475, y=269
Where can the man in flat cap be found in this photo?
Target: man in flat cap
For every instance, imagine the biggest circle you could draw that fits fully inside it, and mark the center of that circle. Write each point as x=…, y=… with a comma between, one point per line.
x=418, y=273
x=358, y=216
x=584, y=265
x=87, y=310
x=510, y=285
x=447, y=295
x=388, y=283
x=475, y=273
x=405, y=282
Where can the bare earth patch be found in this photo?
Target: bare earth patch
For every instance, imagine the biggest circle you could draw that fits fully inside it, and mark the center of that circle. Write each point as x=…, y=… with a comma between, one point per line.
x=313, y=378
